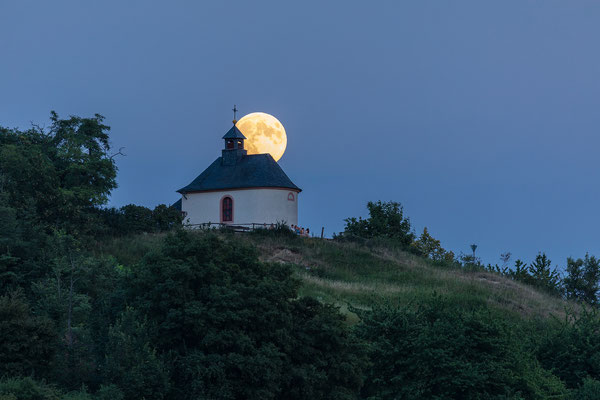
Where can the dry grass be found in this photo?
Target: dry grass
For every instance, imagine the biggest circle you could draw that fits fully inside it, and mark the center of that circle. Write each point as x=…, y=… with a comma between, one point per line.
x=349, y=273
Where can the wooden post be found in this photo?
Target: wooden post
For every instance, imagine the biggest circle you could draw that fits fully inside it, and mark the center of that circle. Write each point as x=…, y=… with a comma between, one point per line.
x=322, y=229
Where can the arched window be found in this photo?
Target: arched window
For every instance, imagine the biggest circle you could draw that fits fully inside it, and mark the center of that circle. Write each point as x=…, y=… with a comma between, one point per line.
x=291, y=196
x=227, y=209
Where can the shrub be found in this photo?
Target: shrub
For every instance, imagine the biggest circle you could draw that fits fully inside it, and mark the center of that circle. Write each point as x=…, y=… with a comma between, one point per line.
x=27, y=389
x=572, y=350
x=231, y=326
x=426, y=245
x=280, y=230
x=544, y=276
x=589, y=390
x=432, y=350
x=385, y=219
x=132, y=219
x=26, y=341
x=582, y=280
x=132, y=362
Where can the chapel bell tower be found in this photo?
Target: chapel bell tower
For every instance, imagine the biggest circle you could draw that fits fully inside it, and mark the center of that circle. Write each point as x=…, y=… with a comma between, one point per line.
x=234, y=144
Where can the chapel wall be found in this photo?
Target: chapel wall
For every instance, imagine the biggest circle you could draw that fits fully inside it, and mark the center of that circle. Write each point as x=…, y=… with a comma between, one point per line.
x=267, y=206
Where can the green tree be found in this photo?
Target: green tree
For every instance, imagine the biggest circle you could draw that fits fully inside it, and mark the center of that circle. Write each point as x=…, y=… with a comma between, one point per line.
x=323, y=360
x=471, y=262
x=572, y=350
x=166, y=218
x=583, y=279
x=27, y=389
x=27, y=342
x=589, y=390
x=386, y=219
x=10, y=237
x=30, y=389
x=232, y=328
x=83, y=295
x=543, y=275
x=574, y=281
x=66, y=171
x=521, y=272
x=131, y=361
x=137, y=219
x=133, y=219
x=22, y=245
x=430, y=247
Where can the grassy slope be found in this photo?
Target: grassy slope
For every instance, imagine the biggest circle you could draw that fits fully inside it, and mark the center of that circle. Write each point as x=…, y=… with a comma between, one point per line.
x=359, y=275
x=349, y=273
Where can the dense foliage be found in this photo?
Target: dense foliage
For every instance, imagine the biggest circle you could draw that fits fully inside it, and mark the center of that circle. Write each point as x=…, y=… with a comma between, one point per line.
x=87, y=314
x=132, y=219
x=434, y=351
x=230, y=326
x=572, y=350
x=62, y=174
x=385, y=220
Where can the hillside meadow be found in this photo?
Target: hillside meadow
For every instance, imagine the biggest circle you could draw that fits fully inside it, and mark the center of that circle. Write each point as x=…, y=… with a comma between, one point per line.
x=362, y=274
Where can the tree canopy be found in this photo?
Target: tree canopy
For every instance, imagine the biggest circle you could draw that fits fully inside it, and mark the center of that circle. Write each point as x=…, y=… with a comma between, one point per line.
x=386, y=219
x=64, y=172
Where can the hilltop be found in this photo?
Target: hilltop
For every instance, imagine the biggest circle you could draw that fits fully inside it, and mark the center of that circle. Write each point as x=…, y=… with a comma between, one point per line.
x=360, y=274
x=375, y=271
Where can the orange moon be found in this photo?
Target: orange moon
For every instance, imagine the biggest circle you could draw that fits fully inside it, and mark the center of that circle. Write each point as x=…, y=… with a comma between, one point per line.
x=264, y=134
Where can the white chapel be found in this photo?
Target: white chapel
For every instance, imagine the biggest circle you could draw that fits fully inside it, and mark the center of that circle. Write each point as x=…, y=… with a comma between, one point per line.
x=240, y=189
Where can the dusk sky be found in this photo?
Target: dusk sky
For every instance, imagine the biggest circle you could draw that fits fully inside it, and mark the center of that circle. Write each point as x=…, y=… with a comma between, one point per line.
x=481, y=118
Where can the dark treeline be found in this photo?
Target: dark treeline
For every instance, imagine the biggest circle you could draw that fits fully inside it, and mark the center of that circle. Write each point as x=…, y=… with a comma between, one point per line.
x=199, y=316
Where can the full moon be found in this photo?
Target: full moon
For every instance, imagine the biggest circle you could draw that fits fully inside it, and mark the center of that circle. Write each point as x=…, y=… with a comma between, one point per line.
x=264, y=134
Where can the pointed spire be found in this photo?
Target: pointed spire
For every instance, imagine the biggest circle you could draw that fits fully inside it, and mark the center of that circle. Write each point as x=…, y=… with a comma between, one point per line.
x=234, y=132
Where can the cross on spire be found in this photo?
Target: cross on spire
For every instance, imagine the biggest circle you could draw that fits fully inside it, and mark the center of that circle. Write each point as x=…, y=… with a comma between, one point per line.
x=234, y=109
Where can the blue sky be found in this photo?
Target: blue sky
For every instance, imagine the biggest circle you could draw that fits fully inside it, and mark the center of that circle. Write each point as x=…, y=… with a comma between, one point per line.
x=481, y=118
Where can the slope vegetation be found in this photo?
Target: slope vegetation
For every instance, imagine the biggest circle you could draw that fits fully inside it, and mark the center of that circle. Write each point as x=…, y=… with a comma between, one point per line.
x=360, y=274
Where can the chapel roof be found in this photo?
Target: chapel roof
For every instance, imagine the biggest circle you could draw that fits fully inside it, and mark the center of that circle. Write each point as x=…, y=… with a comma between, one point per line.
x=177, y=205
x=234, y=133
x=250, y=171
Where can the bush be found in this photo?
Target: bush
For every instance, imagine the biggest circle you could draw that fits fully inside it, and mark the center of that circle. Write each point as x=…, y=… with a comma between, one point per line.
x=434, y=351
x=27, y=342
x=109, y=392
x=132, y=362
x=582, y=282
x=27, y=389
x=385, y=220
x=572, y=350
x=590, y=390
x=133, y=219
x=232, y=327
x=431, y=248
x=279, y=230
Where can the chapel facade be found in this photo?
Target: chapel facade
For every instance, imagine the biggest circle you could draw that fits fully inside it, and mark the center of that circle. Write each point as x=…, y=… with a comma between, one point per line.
x=240, y=189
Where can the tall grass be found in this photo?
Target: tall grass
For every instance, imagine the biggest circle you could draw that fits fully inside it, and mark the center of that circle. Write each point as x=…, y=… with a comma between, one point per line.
x=360, y=274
